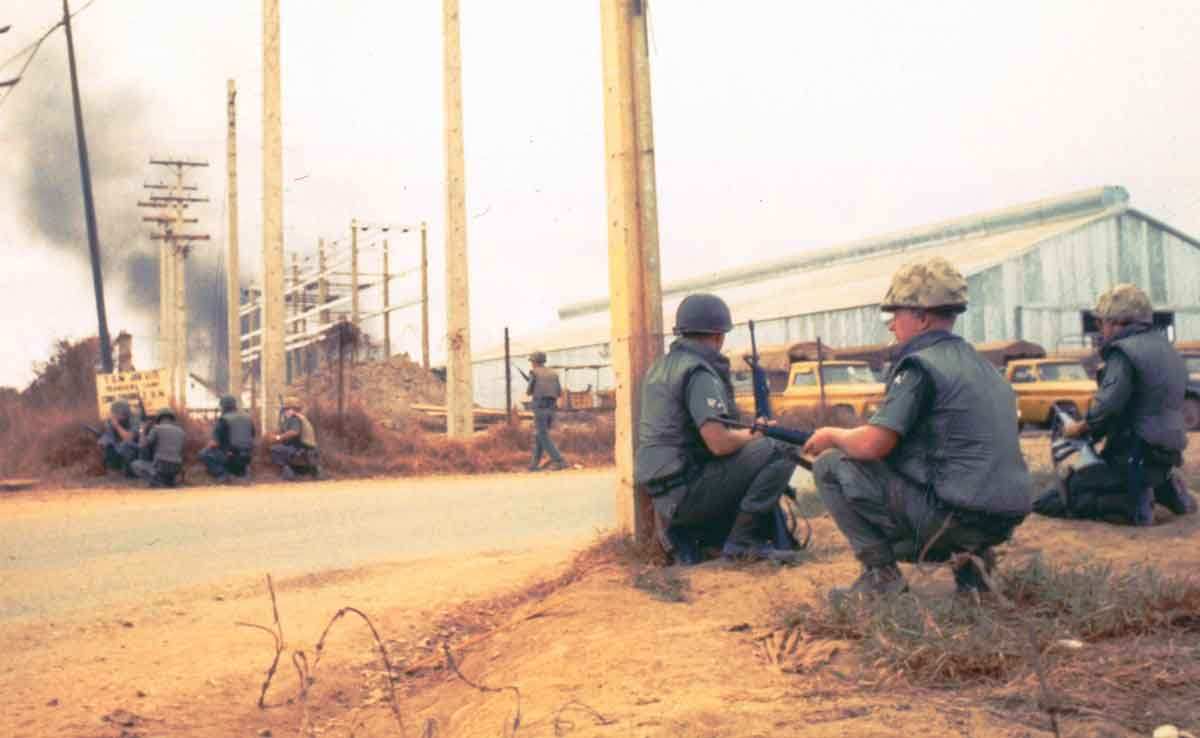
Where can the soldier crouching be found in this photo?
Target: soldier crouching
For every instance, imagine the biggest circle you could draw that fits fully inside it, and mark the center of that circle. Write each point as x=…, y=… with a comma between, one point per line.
x=937, y=471
x=118, y=441
x=295, y=449
x=161, y=451
x=231, y=449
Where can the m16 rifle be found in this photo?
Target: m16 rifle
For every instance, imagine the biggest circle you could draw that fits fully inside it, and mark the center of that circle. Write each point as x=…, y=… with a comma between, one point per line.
x=762, y=408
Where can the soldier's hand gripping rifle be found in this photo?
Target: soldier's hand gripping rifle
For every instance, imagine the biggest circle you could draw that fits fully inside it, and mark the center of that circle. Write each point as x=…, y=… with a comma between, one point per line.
x=762, y=408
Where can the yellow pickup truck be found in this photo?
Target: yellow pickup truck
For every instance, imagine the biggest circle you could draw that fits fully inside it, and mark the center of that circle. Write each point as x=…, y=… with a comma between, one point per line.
x=1043, y=384
x=852, y=393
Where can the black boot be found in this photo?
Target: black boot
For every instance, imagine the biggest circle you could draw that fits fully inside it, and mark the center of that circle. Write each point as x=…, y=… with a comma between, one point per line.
x=1173, y=494
x=880, y=576
x=745, y=543
x=967, y=577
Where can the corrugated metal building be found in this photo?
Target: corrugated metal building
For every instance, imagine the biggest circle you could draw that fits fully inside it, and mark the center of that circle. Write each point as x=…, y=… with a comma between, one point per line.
x=1031, y=271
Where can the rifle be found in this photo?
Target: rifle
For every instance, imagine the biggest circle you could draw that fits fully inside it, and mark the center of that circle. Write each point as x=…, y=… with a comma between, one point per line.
x=520, y=371
x=762, y=407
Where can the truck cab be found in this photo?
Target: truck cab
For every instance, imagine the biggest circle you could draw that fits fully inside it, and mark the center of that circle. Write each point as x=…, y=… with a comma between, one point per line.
x=1043, y=384
x=852, y=393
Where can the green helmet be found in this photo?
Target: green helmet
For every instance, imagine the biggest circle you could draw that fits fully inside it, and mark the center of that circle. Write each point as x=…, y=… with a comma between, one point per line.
x=537, y=357
x=928, y=284
x=1125, y=303
x=228, y=403
x=703, y=313
x=164, y=413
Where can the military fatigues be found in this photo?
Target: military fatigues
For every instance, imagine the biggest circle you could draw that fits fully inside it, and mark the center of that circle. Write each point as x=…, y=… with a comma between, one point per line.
x=300, y=452
x=691, y=489
x=234, y=436
x=119, y=453
x=955, y=481
x=1138, y=408
x=544, y=389
x=162, y=454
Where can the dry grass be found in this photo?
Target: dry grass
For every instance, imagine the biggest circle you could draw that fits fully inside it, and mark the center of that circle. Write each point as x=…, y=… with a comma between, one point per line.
x=953, y=640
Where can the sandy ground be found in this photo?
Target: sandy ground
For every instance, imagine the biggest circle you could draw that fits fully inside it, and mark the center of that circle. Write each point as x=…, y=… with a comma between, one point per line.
x=598, y=657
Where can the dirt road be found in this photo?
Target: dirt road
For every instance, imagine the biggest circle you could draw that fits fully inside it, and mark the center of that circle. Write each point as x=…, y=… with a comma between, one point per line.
x=118, y=607
x=66, y=551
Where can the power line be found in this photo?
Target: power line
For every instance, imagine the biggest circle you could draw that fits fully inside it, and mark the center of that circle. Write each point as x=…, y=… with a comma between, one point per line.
x=32, y=50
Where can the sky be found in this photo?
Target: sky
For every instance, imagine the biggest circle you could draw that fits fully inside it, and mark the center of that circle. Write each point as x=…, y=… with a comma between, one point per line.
x=780, y=126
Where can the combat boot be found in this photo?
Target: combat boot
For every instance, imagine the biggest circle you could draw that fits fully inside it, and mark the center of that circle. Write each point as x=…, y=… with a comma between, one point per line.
x=968, y=578
x=1173, y=494
x=744, y=544
x=880, y=575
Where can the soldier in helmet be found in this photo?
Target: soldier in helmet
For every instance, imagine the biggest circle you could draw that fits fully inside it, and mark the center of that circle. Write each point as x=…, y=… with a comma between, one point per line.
x=119, y=440
x=938, y=469
x=544, y=390
x=232, y=445
x=161, y=450
x=1138, y=409
x=295, y=448
x=709, y=483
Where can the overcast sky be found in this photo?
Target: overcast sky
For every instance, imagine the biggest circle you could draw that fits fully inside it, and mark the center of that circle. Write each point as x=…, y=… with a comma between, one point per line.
x=780, y=126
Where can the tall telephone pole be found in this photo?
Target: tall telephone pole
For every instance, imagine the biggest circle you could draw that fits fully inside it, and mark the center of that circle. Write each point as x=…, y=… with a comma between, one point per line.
x=176, y=246
x=460, y=416
x=634, y=280
x=89, y=206
x=232, y=269
x=273, y=356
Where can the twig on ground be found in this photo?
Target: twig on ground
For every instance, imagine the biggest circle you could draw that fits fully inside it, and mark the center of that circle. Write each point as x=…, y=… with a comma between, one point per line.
x=277, y=634
x=450, y=662
x=393, y=703
x=562, y=725
x=1048, y=705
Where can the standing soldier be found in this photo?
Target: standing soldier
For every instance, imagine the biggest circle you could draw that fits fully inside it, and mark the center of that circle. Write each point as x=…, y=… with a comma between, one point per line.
x=295, y=448
x=708, y=482
x=232, y=446
x=544, y=389
x=1139, y=409
x=161, y=451
x=938, y=469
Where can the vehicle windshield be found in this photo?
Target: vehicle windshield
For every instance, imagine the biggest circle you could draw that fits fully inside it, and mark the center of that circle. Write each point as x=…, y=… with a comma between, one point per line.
x=1193, y=365
x=848, y=374
x=1063, y=372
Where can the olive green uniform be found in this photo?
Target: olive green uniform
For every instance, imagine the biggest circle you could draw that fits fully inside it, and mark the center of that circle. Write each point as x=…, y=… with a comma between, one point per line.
x=544, y=389
x=689, y=486
x=1138, y=409
x=956, y=479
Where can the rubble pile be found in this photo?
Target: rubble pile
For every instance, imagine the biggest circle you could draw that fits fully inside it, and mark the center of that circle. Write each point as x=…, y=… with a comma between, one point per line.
x=386, y=389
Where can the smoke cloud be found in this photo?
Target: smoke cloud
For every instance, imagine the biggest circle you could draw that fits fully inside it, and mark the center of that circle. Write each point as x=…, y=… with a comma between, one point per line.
x=118, y=125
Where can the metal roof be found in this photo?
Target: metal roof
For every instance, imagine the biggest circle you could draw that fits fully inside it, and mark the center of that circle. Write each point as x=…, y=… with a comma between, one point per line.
x=855, y=275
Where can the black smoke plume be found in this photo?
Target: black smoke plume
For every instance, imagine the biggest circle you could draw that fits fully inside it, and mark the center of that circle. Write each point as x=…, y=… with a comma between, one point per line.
x=120, y=141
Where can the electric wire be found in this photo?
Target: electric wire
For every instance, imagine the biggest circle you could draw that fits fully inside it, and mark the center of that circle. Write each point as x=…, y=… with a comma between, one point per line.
x=32, y=50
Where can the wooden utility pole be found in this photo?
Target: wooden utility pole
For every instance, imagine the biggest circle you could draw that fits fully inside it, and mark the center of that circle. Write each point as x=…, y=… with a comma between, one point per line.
x=233, y=288
x=460, y=416
x=387, y=314
x=507, y=378
x=634, y=281
x=354, y=314
x=173, y=268
x=273, y=357
x=89, y=208
x=424, y=299
x=322, y=282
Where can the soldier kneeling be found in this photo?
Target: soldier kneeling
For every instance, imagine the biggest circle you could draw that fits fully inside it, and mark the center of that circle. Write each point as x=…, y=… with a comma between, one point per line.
x=295, y=450
x=231, y=449
x=937, y=471
x=119, y=439
x=161, y=451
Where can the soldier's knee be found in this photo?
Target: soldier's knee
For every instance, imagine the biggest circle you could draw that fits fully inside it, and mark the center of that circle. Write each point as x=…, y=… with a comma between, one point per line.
x=826, y=464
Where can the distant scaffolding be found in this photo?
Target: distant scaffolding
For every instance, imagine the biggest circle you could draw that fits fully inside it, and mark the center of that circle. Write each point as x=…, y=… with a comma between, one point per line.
x=338, y=286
